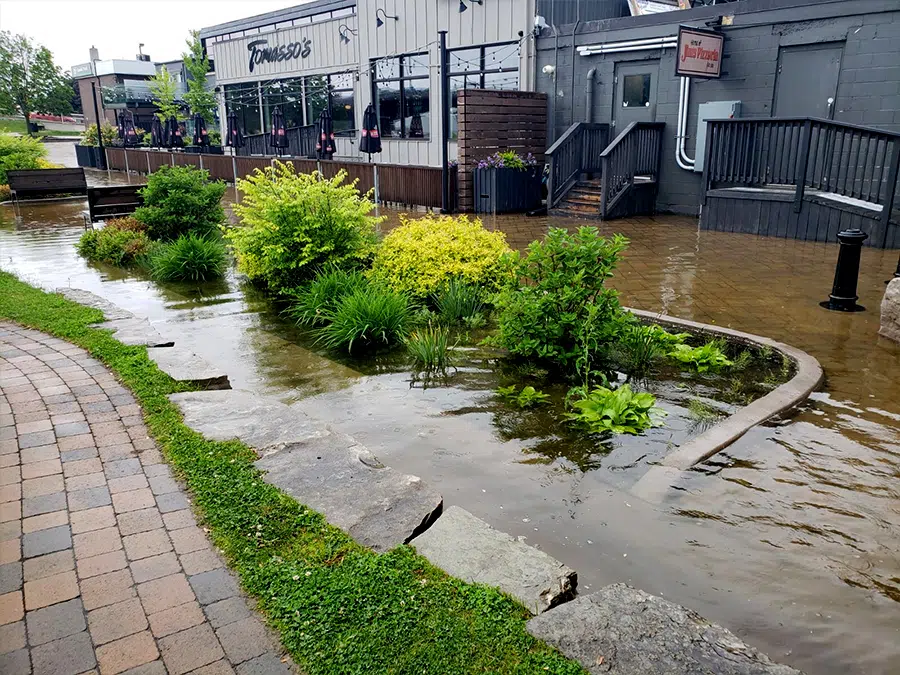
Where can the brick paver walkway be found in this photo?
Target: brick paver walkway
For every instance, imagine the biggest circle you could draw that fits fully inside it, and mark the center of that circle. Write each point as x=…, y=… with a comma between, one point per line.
x=102, y=564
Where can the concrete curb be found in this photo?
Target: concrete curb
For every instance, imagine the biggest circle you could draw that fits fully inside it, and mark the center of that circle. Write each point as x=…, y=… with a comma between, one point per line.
x=793, y=392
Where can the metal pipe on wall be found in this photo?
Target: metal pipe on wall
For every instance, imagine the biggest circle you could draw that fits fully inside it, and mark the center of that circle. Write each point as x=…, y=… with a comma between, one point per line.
x=589, y=96
x=574, y=31
x=681, y=157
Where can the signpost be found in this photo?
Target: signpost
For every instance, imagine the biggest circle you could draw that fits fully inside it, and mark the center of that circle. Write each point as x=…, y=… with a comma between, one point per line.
x=699, y=53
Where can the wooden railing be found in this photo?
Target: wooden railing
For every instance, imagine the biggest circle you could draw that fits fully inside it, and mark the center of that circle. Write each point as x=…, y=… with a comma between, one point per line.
x=804, y=153
x=634, y=156
x=301, y=143
x=576, y=152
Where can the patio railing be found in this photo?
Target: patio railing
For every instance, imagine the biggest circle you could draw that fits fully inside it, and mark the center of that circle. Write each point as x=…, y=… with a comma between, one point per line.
x=632, y=158
x=301, y=143
x=576, y=152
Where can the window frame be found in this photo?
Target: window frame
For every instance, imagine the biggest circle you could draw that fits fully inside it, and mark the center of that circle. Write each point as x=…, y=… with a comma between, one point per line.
x=482, y=71
x=401, y=79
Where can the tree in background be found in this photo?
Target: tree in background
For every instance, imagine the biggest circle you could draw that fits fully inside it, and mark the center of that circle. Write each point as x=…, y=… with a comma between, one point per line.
x=29, y=80
x=162, y=91
x=200, y=99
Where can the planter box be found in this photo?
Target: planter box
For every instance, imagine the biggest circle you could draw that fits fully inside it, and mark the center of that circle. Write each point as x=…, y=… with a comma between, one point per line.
x=88, y=156
x=507, y=190
x=210, y=150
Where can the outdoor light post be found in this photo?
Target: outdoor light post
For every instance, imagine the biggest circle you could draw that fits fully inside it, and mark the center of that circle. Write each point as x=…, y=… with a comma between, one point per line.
x=843, y=292
x=445, y=125
x=99, y=130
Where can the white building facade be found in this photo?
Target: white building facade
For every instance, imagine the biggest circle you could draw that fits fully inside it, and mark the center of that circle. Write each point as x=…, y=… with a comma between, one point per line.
x=345, y=54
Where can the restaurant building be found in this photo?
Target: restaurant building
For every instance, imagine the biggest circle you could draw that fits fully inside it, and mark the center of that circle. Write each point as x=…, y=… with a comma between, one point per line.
x=345, y=54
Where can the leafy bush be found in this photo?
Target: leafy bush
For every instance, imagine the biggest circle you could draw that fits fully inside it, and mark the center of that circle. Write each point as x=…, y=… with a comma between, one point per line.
x=616, y=411
x=424, y=254
x=189, y=258
x=128, y=223
x=294, y=224
x=113, y=246
x=556, y=309
x=179, y=200
x=639, y=346
x=430, y=348
x=508, y=159
x=368, y=318
x=5, y=193
x=19, y=152
x=109, y=132
x=456, y=301
x=708, y=357
x=529, y=397
x=314, y=303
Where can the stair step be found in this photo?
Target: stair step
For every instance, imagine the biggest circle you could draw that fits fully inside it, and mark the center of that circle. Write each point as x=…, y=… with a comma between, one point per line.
x=582, y=204
x=585, y=196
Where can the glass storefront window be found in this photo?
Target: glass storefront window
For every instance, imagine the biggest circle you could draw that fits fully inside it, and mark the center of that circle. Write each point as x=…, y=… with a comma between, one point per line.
x=387, y=103
x=316, y=96
x=243, y=100
x=402, y=97
x=487, y=67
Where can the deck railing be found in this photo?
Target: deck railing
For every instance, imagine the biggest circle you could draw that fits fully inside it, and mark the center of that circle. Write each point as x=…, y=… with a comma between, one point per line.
x=301, y=143
x=634, y=155
x=804, y=153
x=576, y=152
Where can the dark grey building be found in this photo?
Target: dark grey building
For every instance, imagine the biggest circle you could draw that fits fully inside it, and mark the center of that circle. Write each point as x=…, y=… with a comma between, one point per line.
x=832, y=59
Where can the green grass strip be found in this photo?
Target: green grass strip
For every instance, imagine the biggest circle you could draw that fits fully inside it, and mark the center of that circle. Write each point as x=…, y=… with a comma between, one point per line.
x=339, y=607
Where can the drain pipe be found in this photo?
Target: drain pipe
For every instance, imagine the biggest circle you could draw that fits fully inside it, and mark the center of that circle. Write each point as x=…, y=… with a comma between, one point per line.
x=554, y=78
x=681, y=157
x=574, y=30
x=589, y=97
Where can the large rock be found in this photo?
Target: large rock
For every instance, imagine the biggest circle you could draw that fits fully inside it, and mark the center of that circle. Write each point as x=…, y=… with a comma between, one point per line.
x=110, y=311
x=379, y=507
x=468, y=548
x=624, y=631
x=890, y=312
x=185, y=366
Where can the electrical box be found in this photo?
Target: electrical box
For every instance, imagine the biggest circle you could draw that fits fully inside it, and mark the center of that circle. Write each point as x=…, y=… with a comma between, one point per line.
x=715, y=110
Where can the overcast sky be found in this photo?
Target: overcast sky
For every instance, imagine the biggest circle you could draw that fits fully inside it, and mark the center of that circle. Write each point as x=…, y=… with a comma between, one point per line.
x=68, y=28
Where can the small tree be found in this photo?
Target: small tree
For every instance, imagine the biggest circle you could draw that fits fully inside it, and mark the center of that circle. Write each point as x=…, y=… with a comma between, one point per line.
x=162, y=91
x=199, y=99
x=29, y=80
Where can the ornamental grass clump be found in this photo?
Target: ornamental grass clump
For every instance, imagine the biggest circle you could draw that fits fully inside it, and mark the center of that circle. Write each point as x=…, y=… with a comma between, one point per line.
x=430, y=349
x=424, y=254
x=370, y=318
x=457, y=302
x=295, y=224
x=314, y=303
x=189, y=258
x=179, y=200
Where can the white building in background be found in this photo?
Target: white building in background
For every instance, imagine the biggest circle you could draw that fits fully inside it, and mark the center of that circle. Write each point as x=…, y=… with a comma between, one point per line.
x=348, y=53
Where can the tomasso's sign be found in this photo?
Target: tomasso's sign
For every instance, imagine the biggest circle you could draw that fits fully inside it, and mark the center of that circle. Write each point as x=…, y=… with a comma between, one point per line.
x=261, y=52
x=699, y=53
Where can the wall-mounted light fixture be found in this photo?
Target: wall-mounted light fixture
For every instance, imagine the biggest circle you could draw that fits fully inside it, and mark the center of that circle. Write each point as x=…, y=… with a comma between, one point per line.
x=378, y=22
x=462, y=5
x=549, y=71
x=345, y=32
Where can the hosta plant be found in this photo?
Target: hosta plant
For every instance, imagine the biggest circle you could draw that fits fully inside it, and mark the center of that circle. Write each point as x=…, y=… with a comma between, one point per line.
x=615, y=411
x=706, y=358
x=528, y=397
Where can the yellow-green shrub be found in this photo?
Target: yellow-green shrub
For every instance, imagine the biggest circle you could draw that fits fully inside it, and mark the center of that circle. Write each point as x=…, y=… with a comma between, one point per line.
x=423, y=254
x=5, y=193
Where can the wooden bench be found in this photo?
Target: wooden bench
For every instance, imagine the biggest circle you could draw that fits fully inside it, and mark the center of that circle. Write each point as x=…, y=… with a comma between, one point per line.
x=25, y=183
x=112, y=201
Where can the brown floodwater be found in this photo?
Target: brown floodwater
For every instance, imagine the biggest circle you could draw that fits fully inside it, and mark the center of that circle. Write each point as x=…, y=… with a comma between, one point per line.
x=790, y=537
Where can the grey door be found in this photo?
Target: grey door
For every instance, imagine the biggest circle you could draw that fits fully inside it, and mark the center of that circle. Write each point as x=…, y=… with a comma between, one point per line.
x=807, y=80
x=635, y=93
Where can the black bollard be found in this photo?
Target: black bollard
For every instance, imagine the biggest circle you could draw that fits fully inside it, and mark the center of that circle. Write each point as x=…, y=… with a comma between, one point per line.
x=843, y=293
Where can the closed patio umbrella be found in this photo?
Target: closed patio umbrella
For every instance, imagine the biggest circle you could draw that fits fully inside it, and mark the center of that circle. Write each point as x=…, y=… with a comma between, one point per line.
x=130, y=139
x=370, y=140
x=278, y=135
x=120, y=124
x=235, y=136
x=201, y=135
x=325, y=141
x=157, y=134
x=174, y=135
x=416, y=129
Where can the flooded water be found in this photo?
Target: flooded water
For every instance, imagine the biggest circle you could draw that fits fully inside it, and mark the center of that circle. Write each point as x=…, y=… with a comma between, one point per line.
x=791, y=537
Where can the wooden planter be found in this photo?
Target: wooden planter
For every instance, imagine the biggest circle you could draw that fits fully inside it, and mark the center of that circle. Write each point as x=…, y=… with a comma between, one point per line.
x=507, y=190
x=88, y=156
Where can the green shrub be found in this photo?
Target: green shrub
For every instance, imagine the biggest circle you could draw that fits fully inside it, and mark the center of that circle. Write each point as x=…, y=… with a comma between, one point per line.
x=616, y=411
x=639, y=346
x=422, y=255
x=456, y=302
x=430, y=348
x=314, y=303
x=5, y=193
x=369, y=318
x=556, y=308
x=706, y=358
x=113, y=246
x=529, y=397
x=109, y=131
x=294, y=224
x=19, y=152
x=179, y=200
x=189, y=258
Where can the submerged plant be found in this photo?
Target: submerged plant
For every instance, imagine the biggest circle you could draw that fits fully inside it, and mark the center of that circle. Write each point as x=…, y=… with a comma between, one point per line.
x=459, y=302
x=742, y=360
x=529, y=397
x=639, y=346
x=617, y=411
x=369, y=318
x=430, y=348
x=314, y=303
x=706, y=358
x=702, y=414
x=189, y=258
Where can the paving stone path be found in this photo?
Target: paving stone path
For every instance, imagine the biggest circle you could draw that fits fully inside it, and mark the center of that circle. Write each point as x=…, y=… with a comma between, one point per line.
x=102, y=565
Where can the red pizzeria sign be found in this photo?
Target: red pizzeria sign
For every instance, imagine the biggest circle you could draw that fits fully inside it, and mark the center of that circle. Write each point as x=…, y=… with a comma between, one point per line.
x=699, y=53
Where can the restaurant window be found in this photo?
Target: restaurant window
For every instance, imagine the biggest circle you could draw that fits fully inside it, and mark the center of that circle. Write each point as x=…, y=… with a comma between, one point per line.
x=333, y=91
x=243, y=101
x=402, y=97
x=284, y=94
x=484, y=67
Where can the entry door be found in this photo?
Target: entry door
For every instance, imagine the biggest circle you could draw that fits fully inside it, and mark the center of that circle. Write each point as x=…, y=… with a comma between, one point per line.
x=635, y=93
x=807, y=80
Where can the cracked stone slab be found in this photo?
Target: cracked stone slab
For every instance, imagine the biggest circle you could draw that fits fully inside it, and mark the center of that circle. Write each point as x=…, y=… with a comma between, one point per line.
x=624, y=631
x=185, y=366
x=379, y=507
x=110, y=311
x=260, y=422
x=468, y=548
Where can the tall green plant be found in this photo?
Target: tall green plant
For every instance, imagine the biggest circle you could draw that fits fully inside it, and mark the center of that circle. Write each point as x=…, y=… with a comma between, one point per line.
x=29, y=80
x=178, y=200
x=369, y=318
x=109, y=132
x=19, y=152
x=189, y=258
x=314, y=303
x=199, y=98
x=163, y=92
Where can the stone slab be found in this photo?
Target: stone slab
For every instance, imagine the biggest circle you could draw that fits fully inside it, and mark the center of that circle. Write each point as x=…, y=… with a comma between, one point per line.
x=624, y=631
x=379, y=507
x=468, y=548
x=135, y=332
x=890, y=312
x=183, y=365
x=260, y=422
x=110, y=311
